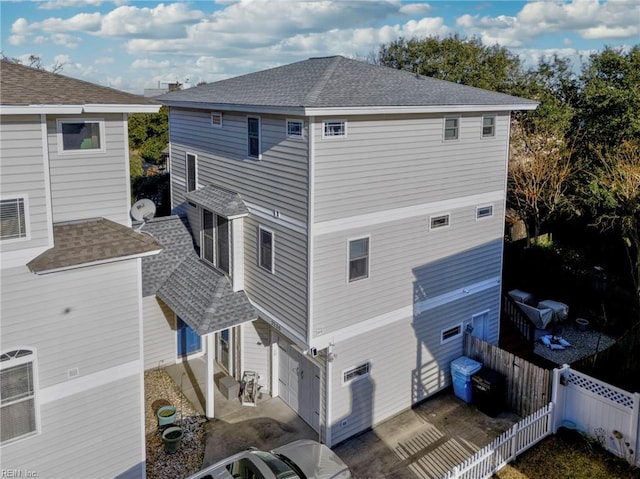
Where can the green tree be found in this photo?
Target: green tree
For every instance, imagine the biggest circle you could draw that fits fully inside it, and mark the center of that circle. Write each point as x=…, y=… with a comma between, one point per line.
x=149, y=134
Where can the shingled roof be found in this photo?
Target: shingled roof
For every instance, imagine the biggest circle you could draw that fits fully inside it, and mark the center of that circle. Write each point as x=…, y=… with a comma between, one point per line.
x=339, y=82
x=25, y=86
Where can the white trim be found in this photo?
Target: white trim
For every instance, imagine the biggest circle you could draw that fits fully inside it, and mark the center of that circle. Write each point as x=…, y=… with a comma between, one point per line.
x=349, y=241
x=91, y=381
x=219, y=114
x=237, y=254
x=458, y=119
x=76, y=109
x=495, y=126
x=186, y=171
x=79, y=151
x=403, y=313
x=397, y=214
x=336, y=120
x=141, y=358
x=478, y=208
x=98, y=108
x=309, y=225
x=127, y=173
x=294, y=120
x=271, y=270
x=458, y=335
x=27, y=219
x=257, y=117
x=436, y=217
x=47, y=178
x=277, y=218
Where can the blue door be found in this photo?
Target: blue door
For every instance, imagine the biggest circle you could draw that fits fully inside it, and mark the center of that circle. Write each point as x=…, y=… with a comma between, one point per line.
x=188, y=339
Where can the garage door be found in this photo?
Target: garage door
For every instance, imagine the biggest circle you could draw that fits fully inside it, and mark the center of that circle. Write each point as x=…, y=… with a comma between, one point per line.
x=299, y=383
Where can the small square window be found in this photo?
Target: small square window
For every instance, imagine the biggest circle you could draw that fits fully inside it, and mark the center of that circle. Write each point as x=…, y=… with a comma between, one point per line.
x=488, y=126
x=358, y=372
x=450, y=334
x=13, y=221
x=265, y=251
x=80, y=135
x=216, y=119
x=451, y=127
x=440, y=221
x=334, y=128
x=295, y=128
x=484, y=211
x=358, y=259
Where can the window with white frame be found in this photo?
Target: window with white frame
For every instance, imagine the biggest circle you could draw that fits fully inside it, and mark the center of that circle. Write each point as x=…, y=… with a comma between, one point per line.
x=295, y=128
x=13, y=218
x=358, y=372
x=80, y=135
x=215, y=243
x=253, y=137
x=216, y=119
x=265, y=249
x=18, y=408
x=440, y=221
x=191, y=171
x=484, y=211
x=333, y=128
x=358, y=259
x=450, y=334
x=488, y=126
x=451, y=128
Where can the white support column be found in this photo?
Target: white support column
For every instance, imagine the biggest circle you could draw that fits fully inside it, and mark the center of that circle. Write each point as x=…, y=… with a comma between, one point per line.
x=559, y=394
x=210, y=357
x=635, y=426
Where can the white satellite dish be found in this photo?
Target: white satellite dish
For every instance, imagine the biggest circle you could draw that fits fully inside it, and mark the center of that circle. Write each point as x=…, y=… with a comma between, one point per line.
x=143, y=210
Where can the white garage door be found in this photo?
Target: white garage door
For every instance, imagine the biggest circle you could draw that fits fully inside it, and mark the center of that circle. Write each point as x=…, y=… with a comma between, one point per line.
x=299, y=383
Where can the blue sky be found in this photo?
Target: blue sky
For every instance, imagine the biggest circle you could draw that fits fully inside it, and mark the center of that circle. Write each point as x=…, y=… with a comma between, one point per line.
x=132, y=45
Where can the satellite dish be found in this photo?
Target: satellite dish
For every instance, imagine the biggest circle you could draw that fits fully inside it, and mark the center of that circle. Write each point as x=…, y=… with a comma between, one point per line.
x=143, y=210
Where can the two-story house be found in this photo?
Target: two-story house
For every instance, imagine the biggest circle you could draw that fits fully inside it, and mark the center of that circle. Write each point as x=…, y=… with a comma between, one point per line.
x=361, y=211
x=71, y=364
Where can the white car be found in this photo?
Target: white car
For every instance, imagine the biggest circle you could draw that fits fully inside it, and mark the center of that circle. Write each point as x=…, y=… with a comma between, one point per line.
x=302, y=459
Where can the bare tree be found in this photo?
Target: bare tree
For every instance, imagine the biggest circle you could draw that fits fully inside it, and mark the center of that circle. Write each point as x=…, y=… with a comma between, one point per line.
x=35, y=61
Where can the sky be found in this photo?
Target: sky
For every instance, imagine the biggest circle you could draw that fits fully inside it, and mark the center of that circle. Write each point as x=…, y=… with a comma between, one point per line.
x=133, y=45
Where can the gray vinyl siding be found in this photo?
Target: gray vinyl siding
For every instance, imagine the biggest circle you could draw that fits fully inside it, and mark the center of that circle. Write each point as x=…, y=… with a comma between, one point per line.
x=159, y=333
x=96, y=433
x=85, y=318
x=256, y=352
x=388, y=162
x=93, y=184
x=408, y=364
x=23, y=172
x=407, y=263
x=279, y=181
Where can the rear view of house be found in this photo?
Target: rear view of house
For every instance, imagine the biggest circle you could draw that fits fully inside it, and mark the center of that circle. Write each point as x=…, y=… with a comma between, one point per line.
x=360, y=209
x=71, y=345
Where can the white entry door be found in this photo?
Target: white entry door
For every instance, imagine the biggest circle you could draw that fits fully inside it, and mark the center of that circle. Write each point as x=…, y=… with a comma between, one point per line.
x=480, y=323
x=299, y=383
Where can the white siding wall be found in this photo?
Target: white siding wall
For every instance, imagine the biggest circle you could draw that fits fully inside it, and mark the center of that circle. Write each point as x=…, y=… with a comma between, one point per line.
x=256, y=351
x=23, y=172
x=159, y=332
x=94, y=184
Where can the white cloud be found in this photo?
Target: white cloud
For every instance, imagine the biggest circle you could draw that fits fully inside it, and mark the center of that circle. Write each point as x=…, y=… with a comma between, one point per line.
x=57, y=4
x=146, y=63
x=415, y=9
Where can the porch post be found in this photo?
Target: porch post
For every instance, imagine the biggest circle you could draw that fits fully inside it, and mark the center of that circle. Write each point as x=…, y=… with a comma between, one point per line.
x=210, y=358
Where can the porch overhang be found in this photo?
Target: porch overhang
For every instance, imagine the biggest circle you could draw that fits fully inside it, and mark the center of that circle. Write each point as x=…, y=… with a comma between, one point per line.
x=204, y=298
x=222, y=202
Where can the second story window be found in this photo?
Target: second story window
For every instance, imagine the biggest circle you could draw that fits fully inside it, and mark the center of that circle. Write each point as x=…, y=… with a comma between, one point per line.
x=13, y=219
x=488, y=126
x=265, y=249
x=215, y=246
x=253, y=137
x=451, y=127
x=79, y=135
x=216, y=119
x=191, y=172
x=358, y=259
x=18, y=403
x=333, y=128
x=295, y=128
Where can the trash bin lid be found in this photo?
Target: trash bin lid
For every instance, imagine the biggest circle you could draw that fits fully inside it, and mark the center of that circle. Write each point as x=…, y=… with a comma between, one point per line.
x=465, y=365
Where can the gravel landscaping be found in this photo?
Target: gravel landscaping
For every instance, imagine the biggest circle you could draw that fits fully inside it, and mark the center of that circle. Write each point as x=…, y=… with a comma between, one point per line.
x=160, y=390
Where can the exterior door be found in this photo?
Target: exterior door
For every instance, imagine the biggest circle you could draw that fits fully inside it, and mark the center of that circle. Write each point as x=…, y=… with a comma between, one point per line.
x=480, y=323
x=299, y=383
x=188, y=339
x=224, y=350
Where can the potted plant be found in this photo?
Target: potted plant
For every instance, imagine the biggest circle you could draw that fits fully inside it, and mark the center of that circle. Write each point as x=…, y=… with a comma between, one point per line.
x=172, y=437
x=166, y=415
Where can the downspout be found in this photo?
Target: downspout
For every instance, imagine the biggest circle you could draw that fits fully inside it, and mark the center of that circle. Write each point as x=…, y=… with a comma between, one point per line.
x=327, y=405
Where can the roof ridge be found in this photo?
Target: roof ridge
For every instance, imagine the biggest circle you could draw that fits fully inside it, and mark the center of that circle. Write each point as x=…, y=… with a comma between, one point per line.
x=314, y=93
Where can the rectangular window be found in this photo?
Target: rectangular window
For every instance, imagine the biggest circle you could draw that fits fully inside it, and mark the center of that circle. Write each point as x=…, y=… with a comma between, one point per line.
x=215, y=241
x=222, y=243
x=265, y=253
x=332, y=128
x=18, y=403
x=484, y=211
x=358, y=372
x=76, y=135
x=295, y=128
x=13, y=220
x=488, y=126
x=192, y=172
x=451, y=127
x=358, y=259
x=450, y=334
x=253, y=137
x=439, y=221
x=216, y=119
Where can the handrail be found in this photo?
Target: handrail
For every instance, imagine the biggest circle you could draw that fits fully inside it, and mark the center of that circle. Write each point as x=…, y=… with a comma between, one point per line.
x=512, y=312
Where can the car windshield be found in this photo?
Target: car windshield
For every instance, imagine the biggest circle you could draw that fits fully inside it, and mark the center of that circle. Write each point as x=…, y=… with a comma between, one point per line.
x=279, y=468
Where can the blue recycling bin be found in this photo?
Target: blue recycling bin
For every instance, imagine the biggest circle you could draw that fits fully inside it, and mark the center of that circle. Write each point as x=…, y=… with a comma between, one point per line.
x=462, y=369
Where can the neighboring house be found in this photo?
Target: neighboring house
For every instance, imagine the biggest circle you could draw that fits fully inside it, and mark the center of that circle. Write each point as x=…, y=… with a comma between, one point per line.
x=361, y=211
x=71, y=365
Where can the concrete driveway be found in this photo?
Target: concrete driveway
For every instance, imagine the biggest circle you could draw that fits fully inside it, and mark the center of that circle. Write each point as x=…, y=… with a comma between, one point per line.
x=423, y=442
